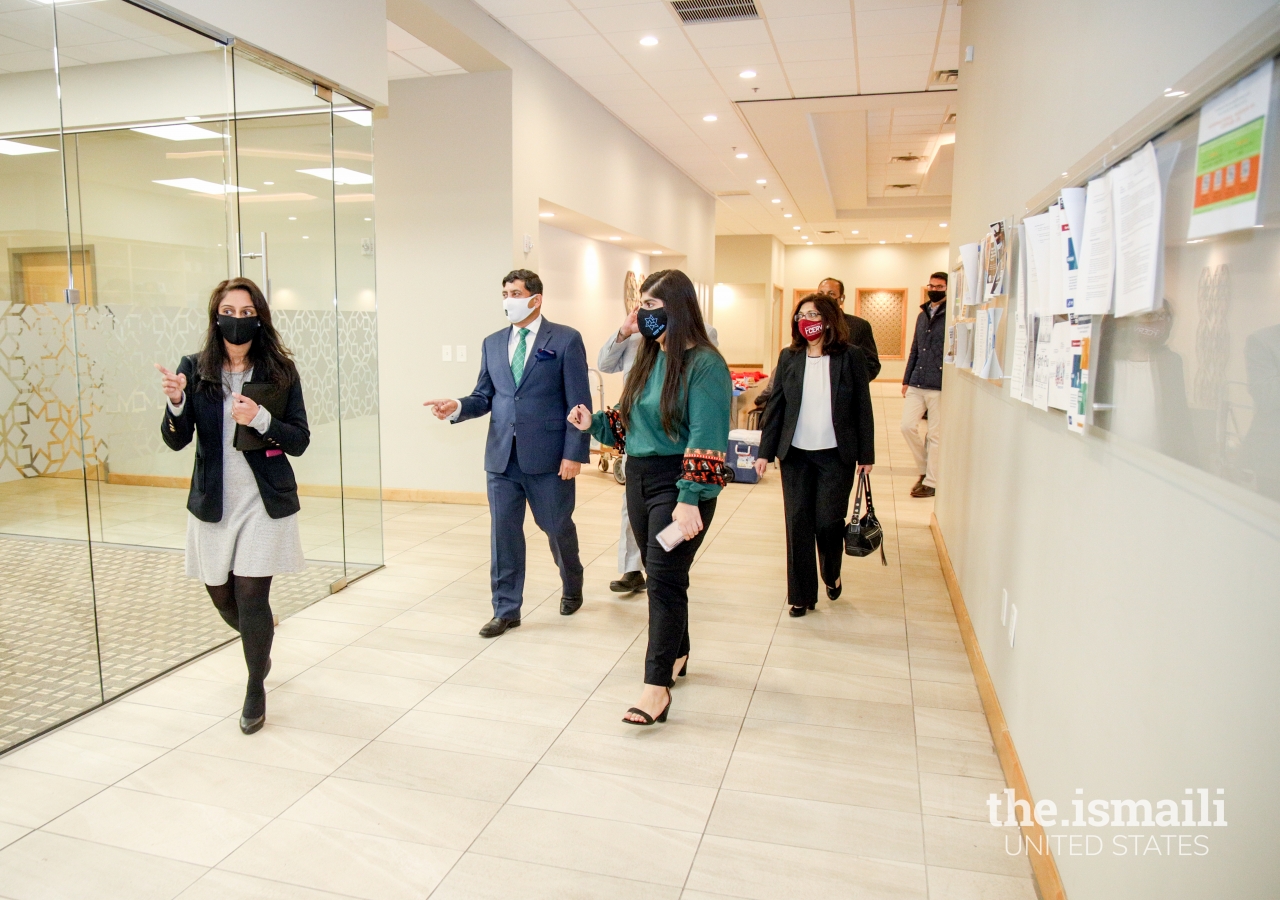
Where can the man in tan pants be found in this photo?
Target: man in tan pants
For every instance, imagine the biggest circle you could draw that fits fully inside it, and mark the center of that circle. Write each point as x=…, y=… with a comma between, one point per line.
x=922, y=385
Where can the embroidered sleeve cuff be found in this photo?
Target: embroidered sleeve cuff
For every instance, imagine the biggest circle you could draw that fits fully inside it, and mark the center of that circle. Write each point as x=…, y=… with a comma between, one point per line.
x=704, y=467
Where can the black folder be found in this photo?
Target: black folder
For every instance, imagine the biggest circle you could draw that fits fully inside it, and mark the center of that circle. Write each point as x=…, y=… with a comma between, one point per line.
x=264, y=393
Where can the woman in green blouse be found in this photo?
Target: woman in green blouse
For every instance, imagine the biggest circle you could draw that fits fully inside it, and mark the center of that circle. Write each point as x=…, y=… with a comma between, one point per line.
x=674, y=422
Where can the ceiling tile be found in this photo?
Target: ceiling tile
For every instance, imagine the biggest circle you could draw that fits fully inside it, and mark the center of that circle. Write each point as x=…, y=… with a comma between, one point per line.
x=594, y=65
x=500, y=9
x=782, y=9
x=613, y=81
x=873, y=49
x=430, y=61
x=642, y=18
x=728, y=34
x=810, y=70
x=812, y=28
x=549, y=25
x=400, y=68
x=556, y=49
x=745, y=56
x=897, y=21
x=399, y=39
x=835, y=48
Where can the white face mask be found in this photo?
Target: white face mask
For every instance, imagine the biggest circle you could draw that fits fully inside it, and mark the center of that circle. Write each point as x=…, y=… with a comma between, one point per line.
x=518, y=308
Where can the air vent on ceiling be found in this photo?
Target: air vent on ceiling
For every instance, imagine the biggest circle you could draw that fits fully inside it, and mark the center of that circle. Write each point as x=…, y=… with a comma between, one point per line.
x=696, y=12
x=945, y=76
x=733, y=193
x=949, y=120
x=824, y=231
x=908, y=158
x=901, y=187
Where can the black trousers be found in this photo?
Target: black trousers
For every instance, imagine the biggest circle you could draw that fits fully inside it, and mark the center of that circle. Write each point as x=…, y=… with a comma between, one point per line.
x=651, y=497
x=815, y=496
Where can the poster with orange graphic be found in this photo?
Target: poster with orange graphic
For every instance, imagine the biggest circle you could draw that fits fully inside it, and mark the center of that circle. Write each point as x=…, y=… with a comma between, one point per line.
x=1233, y=124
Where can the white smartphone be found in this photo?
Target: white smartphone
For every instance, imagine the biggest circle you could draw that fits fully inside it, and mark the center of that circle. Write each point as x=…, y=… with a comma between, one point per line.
x=670, y=537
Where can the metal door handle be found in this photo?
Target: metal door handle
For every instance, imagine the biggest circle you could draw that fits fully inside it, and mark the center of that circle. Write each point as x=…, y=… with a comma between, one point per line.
x=262, y=255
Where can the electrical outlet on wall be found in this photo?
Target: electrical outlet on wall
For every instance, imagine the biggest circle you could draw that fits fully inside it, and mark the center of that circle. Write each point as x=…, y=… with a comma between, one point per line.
x=461, y=353
x=446, y=353
x=1004, y=607
x=1013, y=621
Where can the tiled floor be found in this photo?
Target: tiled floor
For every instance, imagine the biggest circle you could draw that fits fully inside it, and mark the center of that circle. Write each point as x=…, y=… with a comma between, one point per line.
x=842, y=755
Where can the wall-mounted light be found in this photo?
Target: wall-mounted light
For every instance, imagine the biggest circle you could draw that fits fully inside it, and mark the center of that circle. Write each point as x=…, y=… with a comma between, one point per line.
x=855, y=231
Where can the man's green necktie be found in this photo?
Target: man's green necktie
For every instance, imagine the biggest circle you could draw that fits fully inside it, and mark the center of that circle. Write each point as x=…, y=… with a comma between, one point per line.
x=517, y=361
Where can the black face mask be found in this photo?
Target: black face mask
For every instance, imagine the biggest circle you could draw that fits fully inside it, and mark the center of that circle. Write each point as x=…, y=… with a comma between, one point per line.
x=653, y=322
x=238, y=330
x=937, y=296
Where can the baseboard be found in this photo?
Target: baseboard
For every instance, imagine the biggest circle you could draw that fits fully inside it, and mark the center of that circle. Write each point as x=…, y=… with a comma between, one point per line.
x=1043, y=868
x=408, y=495
x=413, y=495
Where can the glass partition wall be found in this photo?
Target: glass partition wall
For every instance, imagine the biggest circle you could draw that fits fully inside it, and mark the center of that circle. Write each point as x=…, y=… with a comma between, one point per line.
x=140, y=164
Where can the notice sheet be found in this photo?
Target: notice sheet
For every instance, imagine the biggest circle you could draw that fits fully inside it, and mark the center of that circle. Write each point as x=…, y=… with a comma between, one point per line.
x=1135, y=185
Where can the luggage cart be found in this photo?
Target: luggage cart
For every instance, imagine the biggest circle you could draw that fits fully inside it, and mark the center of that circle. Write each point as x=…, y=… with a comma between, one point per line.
x=608, y=458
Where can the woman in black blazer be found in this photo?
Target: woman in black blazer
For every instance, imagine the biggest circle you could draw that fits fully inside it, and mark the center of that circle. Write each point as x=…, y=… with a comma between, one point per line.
x=243, y=504
x=818, y=423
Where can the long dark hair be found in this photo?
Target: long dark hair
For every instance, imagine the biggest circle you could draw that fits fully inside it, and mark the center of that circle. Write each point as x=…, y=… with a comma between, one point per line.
x=836, y=336
x=686, y=333
x=270, y=359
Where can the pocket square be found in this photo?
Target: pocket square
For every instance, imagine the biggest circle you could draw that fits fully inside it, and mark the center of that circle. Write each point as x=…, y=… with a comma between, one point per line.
x=274, y=452
x=545, y=354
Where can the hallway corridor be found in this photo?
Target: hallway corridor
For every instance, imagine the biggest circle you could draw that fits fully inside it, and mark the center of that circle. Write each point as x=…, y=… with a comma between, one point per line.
x=841, y=755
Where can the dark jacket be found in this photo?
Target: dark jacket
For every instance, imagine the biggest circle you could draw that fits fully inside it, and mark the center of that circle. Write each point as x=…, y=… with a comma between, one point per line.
x=861, y=336
x=851, y=414
x=924, y=365
x=202, y=418
x=533, y=416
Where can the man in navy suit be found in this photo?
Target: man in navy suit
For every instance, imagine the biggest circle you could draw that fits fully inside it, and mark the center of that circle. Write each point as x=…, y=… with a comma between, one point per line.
x=531, y=375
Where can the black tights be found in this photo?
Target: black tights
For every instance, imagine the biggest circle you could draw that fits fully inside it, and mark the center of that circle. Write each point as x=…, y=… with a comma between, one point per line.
x=244, y=604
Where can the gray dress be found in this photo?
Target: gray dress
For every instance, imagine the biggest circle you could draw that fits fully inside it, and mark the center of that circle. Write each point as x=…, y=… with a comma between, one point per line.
x=246, y=541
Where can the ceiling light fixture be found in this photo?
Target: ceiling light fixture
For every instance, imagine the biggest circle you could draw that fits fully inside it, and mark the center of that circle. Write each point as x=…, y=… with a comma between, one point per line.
x=855, y=231
x=268, y=183
x=17, y=148
x=648, y=41
x=776, y=200
x=747, y=73
x=339, y=175
x=293, y=218
x=359, y=116
x=199, y=185
x=795, y=227
x=942, y=224
x=546, y=215
x=710, y=117
x=882, y=242
x=178, y=132
x=910, y=235
x=740, y=155
x=615, y=238
x=655, y=252
x=786, y=215
x=762, y=181
x=810, y=243
x=1170, y=92
x=367, y=219
x=804, y=237
x=306, y=237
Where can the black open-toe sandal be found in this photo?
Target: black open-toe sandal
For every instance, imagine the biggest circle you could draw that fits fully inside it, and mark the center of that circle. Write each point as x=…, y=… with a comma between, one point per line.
x=648, y=719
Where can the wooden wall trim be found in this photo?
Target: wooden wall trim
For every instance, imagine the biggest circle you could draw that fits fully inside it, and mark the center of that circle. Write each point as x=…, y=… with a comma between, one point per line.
x=403, y=495
x=1043, y=868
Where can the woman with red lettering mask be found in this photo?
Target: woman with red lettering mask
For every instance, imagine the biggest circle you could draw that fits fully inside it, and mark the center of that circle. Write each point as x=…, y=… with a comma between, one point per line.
x=818, y=423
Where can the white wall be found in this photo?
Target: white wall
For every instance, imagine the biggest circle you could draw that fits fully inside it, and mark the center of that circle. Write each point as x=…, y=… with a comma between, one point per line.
x=443, y=164
x=343, y=40
x=871, y=266
x=740, y=313
x=583, y=280
x=1146, y=659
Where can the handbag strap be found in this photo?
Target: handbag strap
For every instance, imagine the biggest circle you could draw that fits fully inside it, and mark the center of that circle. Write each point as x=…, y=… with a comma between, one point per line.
x=857, y=504
x=865, y=485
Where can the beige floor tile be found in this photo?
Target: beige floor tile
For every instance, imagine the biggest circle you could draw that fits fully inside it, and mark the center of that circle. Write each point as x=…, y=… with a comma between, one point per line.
x=443, y=771
x=359, y=865
x=958, y=725
x=854, y=661
x=695, y=728
x=760, y=871
x=32, y=798
x=359, y=687
x=326, y=611
x=345, y=717
x=468, y=734
x=957, y=796
x=840, y=685
x=974, y=759
x=822, y=743
x=854, y=785
x=553, y=656
x=145, y=724
x=219, y=885
x=505, y=705
x=230, y=783
x=953, y=671
x=388, y=811
x=975, y=846
x=44, y=866
x=807, y=710
x=955, y=884
x=689, y=694
x=275, y=745
x=83, y=756
x=634, y=755
x=587, y=844
x=623, y=798
x=864, y=831
x=321, y=631
x=940, y=695
x=10, y=833
x=214, y=698
x=484, y=672
x=453, y=646
x=164, y=826
x=477, y=877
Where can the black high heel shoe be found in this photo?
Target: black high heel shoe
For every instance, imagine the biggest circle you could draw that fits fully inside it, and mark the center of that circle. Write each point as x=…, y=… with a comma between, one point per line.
x=684, y=669
x=797, y=611
x=834, y=592
x=648, y=719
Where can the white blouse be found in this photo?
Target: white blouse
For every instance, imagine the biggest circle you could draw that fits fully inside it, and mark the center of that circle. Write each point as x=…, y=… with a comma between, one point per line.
x=814, y=429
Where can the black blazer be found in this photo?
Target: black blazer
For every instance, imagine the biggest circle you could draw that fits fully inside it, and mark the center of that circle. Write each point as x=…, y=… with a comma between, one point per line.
x=202, y=418
x=862, y=337
x=851, y=414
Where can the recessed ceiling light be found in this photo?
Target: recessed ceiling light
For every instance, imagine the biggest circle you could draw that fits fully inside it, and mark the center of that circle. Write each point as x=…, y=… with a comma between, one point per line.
x=655, y=253
x=795, y=227
x=747, y=73
x=710, y=117
x=762, y=181
x=1064, y=174
x=882, y=242
x=17, y=148
x=201, y=186
x=367, y=219
x=648, y=41
x=855, y=231
x=910, y=235
x=178, y=132
x=359, y=116
x=786, y=215
x=776, y=200
x=810, y=243
x=546, y=215
x=741, y=155
x=804, y=237
x=293, y=218
x=306, y=237
x=339, y=175
x=942, y=224
x=268, y=183
x=615, y=238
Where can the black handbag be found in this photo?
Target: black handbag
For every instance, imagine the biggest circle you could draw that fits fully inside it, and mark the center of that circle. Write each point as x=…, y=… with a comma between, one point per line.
x=864, y=534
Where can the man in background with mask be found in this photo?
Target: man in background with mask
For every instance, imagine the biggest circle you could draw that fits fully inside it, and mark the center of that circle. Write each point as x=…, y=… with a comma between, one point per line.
x=531, y=374
x=922, y=384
